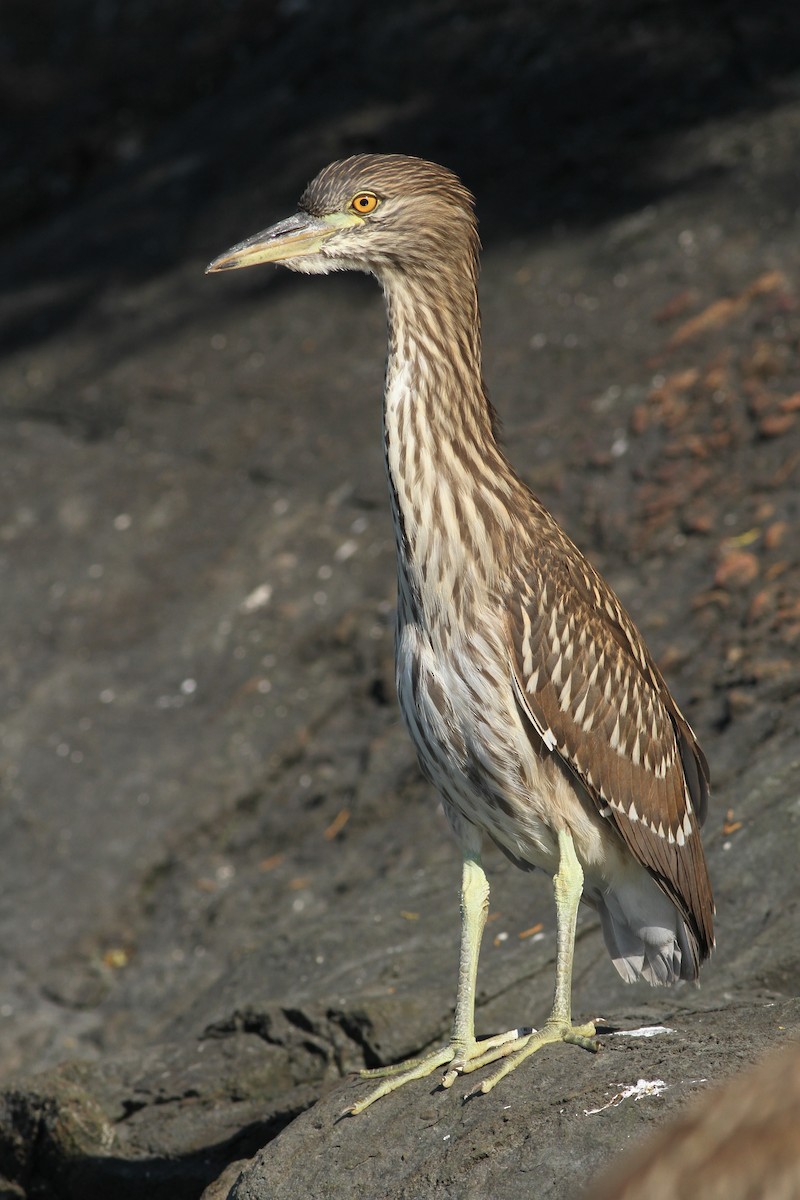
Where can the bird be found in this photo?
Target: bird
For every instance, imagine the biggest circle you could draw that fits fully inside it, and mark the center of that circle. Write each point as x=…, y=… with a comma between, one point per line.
x=534, y=705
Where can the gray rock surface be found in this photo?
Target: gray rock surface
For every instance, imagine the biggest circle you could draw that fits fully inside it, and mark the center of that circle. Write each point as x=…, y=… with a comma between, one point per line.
x=225, y=885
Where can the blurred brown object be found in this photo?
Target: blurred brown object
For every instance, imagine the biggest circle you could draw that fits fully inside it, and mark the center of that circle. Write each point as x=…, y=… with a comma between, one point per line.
x=740, y=1141
x=722, y=311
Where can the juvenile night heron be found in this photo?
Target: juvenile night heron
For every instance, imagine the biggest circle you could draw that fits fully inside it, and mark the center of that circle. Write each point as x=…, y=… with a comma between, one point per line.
x=532, y=700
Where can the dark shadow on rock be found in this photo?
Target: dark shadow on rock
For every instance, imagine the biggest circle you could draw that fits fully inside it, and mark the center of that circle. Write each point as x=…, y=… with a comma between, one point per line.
x=52, y=1174
x=151, y=1128
x=562, y=113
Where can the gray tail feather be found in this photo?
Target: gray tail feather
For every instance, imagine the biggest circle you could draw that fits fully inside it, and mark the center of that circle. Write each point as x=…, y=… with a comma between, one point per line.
x=645, y=934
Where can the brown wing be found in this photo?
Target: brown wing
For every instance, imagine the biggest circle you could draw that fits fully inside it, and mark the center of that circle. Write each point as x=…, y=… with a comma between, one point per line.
x=596, y=697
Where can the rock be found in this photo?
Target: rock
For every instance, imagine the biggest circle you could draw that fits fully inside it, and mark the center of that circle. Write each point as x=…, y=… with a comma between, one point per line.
x=546, y=1133
x=736, y=1141
x=164, y=1125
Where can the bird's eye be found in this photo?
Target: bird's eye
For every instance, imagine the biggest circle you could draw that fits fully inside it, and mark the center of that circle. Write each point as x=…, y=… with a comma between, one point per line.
x=364, y=202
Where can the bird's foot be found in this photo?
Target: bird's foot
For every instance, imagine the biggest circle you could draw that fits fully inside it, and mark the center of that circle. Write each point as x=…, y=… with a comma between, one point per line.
x=461, y=1059
x=555, y=1030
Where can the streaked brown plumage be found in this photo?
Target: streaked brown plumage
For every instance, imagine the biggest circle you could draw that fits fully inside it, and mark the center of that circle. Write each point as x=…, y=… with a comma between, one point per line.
x=534, y=705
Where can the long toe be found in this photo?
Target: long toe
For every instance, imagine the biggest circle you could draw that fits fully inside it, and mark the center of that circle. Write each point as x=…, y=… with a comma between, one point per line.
x=554, y=1031
x=398, y=1075
x=461, y=1059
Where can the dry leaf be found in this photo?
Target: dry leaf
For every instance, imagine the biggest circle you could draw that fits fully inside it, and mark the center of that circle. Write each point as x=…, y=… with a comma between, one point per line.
x=337, y=824
x=722, y=311
x=737, y=570
x=776, y=424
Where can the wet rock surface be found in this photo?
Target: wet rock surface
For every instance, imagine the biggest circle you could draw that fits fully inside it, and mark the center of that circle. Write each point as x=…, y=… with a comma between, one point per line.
x=226, y=886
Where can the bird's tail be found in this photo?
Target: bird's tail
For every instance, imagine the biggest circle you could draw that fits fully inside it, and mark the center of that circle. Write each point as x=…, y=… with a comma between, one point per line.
x=645, y=934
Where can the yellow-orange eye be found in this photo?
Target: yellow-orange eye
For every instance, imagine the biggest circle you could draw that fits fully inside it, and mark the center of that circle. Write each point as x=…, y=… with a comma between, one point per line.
x=364, y=202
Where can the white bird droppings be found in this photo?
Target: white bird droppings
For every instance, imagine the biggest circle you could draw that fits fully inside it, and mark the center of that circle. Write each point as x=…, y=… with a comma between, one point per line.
x=634, y=1091
x=644, y=1031
x=258, y=598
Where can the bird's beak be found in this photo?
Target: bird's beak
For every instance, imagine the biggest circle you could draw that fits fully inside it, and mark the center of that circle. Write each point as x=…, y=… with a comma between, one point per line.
x=295, y=237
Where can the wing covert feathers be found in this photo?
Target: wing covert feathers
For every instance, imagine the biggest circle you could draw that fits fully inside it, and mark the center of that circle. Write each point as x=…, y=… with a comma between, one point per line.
x=594, y=694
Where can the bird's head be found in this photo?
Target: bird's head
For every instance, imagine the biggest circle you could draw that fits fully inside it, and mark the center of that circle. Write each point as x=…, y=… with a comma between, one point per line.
x=372, y=212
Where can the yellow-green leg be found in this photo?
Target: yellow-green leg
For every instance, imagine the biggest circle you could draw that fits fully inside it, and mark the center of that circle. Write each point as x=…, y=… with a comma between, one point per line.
x=568, y=887
x=463, y=1051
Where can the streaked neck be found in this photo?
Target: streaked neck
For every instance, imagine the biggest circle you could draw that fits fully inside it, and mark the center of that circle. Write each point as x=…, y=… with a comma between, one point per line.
x=451, y=487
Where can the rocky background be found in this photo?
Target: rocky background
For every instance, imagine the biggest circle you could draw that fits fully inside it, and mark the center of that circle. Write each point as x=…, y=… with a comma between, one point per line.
x=225, y=885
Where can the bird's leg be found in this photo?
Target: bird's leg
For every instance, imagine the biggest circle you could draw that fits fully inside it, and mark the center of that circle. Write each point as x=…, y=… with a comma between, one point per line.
x=474, y=911
x=568, y=887
x=462, y=1049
